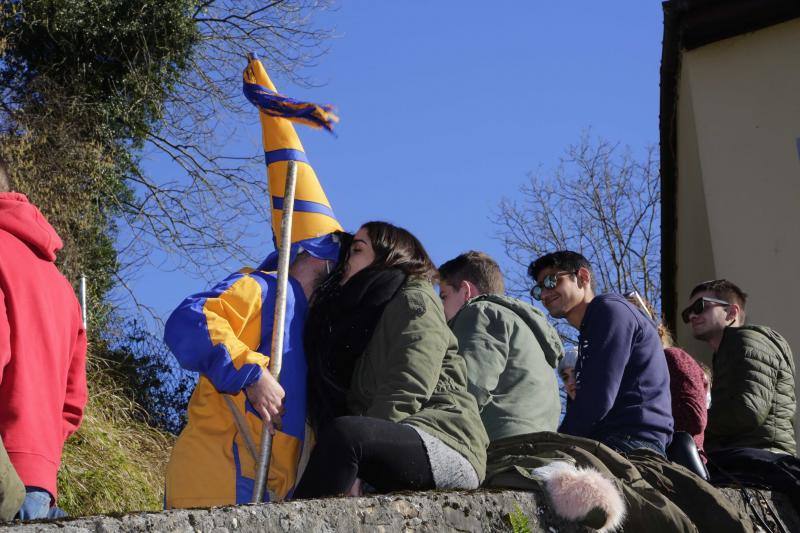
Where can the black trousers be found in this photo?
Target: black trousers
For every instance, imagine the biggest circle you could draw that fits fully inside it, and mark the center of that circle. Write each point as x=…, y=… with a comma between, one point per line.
x=752, y=467
x=387, y=455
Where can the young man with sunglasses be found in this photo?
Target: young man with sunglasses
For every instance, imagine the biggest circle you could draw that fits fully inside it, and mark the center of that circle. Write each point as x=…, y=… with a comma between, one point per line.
x=752, y=393
x=622, y=394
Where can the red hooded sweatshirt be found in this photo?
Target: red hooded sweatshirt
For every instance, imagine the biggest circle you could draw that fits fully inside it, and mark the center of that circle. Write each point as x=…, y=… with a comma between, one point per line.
x=42, y=345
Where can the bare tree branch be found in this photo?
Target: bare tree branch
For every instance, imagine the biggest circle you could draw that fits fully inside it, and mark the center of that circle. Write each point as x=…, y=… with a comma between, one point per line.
x=601, y=202
x=205, y=199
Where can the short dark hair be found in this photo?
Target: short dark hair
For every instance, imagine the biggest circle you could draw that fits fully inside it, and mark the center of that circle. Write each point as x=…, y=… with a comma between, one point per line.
x=396, y=247
x=562, y=260
x=5, y=184
x=724, y=290
x=476, y=267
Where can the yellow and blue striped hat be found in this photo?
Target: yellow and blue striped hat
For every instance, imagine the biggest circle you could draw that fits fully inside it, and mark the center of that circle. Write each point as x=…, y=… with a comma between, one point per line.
x=313, y=222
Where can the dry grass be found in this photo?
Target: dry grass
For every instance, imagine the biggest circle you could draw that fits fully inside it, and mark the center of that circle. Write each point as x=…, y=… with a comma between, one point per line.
x=115, y=462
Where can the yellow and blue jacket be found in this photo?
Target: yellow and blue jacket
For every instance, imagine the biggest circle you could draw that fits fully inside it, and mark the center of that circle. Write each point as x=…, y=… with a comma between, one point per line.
x=225, y=334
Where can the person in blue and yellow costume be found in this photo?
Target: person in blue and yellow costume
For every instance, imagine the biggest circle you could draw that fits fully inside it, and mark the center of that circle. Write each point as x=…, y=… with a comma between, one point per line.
x=225, y=335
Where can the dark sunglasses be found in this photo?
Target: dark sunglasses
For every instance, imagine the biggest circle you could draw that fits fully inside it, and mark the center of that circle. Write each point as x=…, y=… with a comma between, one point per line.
x=698, y=306
x=549, y=282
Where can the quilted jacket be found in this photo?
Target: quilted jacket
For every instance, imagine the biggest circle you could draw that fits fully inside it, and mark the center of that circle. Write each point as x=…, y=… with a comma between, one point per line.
x=752, y=393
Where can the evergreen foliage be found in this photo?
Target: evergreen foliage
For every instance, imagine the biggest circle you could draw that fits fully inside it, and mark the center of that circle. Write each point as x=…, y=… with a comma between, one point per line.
x=115, y=61
x=148, y=375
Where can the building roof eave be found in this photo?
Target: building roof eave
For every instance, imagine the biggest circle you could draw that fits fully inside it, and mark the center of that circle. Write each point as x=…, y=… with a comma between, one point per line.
x=689, y=24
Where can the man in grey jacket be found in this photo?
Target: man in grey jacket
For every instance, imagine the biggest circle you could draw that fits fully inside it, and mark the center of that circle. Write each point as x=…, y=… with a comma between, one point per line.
x=510, y=348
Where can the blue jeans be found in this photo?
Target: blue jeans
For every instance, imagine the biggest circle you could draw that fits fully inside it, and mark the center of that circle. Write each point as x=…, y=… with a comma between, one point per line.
x=627, y=444
x=37, y=506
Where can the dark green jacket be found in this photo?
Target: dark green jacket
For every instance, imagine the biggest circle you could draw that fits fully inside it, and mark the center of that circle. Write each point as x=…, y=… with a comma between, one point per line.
x=411, y=372
x=752, y=392
x=512, y=353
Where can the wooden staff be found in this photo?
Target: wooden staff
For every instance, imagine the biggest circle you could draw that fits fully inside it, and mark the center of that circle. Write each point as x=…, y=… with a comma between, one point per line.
x=276, y=354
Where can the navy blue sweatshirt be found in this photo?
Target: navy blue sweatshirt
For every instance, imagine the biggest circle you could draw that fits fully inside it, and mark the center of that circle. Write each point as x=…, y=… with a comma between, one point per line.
x=621, y=374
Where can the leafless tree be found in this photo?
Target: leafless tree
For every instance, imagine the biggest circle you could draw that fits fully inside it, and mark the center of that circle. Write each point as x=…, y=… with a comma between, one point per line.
x=602, y=202
x=207, y=199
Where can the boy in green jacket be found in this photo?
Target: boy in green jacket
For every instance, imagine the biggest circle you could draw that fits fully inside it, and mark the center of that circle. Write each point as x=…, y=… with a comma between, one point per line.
x=510, y=349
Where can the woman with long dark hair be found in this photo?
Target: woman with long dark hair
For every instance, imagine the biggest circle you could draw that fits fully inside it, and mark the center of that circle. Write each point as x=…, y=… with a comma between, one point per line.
x=388, y=394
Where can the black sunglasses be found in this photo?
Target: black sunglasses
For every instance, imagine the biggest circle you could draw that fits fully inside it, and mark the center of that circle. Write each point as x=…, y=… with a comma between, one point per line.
x=548, y=282
x=698, y=306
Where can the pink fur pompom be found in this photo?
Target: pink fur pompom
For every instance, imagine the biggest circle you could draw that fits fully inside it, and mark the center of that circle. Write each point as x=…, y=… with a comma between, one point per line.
x=583, y=495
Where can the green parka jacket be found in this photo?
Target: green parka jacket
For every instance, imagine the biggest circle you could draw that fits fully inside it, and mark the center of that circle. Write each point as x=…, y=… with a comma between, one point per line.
x=512, y=353
x=752, y=392
x=411, y=372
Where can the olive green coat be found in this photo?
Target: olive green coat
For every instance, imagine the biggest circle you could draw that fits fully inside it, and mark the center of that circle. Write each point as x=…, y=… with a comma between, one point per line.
x=411, y=372
x=752, y=392
x=12, y=491
x=512, y=353
x=659, y=496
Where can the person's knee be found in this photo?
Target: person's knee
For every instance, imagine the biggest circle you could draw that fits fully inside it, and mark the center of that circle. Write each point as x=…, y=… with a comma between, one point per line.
x=341, y=434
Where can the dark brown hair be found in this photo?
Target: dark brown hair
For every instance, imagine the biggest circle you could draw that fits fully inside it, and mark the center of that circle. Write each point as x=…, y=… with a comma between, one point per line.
x=562, y=260
x=396, y=247
x=476, y=267
x=724, y=290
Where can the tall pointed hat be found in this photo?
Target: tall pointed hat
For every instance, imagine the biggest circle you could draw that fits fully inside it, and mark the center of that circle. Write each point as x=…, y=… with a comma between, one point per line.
x=313, y=222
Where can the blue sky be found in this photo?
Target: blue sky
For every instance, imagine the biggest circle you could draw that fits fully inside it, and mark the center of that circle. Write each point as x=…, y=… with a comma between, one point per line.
x=446, y=106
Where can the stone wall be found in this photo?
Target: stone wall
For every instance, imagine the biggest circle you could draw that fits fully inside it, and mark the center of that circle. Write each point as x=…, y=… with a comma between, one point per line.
x=483, y=510
x=425, y=511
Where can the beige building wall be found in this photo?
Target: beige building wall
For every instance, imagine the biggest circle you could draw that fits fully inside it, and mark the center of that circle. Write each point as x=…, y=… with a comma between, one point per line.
x=739, y=175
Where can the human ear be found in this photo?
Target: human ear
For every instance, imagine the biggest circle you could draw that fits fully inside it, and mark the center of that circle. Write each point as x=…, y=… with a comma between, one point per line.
x=583, y=277
x=734, y=312
x=465, y=286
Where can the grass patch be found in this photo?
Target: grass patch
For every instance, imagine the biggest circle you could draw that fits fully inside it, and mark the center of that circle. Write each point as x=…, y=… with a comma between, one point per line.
x=519, y=522
x=115, y=462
